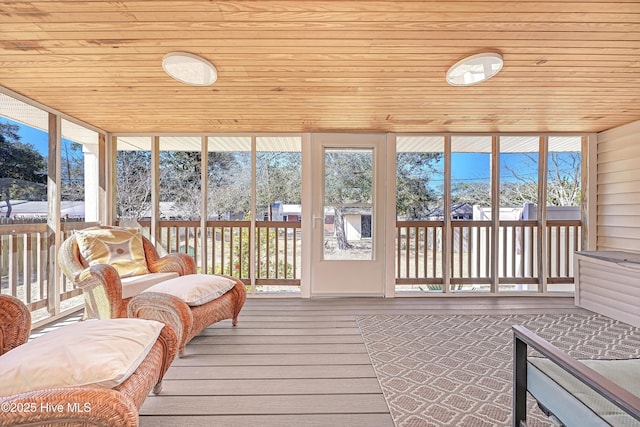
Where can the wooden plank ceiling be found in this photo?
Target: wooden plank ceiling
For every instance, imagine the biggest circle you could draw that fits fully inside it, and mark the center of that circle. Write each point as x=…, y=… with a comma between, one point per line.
x=353, y=66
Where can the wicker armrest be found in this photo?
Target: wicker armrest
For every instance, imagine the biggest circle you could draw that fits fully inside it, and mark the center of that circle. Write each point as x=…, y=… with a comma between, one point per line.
x=102, y=291
x=181, y=263
x=95, y=406
x=15, y=323
x=68, y=260
x=168, y=309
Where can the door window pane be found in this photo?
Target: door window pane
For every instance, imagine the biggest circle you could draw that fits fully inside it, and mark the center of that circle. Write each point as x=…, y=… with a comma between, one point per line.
x=348, y=204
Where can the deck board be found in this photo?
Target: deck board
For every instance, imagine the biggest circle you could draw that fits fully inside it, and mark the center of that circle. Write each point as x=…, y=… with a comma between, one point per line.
x=307, y=420
x=293, y=362
x=271, y=386
x=257, y=404
x=270, y=360
x=276, y=372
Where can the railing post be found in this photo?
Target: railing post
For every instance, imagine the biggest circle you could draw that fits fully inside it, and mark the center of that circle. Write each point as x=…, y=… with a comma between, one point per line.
x=13, y=264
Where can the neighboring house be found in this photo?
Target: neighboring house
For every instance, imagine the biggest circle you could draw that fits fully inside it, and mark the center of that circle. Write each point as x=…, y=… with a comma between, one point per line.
x=458, y=211
x=279, y=211
x=39, y=209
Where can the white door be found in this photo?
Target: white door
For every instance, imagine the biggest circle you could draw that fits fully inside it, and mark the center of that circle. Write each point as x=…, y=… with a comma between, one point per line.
x=347, y=254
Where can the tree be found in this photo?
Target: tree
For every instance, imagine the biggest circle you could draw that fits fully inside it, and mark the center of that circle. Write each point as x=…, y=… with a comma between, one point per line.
x=229, y=176
x=23, y=170
x=564, y=179
x=348, y=181
x=180, y=181
x=72, y=171
x=473, y=192
x=278, y=178
x=133, y=183
x=414, y=196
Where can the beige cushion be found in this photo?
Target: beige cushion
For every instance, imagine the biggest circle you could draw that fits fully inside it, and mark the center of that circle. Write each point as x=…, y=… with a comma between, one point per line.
x=195, y=289
x=94, y=352
x=119, y=247
x=132, y=286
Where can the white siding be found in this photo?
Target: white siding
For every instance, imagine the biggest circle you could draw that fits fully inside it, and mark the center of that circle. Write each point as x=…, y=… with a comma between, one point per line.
x=618, y=189
x=607, y=283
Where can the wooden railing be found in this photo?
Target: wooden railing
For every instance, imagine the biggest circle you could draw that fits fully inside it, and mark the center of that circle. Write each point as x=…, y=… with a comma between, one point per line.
x=419, y=253
x=227, y=249
x=25, y=254
x=25, y=262
x=564, y=237
x=470, y=252
x=278, y=252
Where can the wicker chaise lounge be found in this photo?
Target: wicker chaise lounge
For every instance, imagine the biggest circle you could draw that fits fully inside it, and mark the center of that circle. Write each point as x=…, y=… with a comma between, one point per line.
x=71, y=405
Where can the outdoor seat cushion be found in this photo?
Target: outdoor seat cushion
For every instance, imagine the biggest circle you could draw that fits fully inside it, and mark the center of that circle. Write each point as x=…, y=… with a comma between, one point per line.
x=195, y=289
x=132, y=286
x=94, y=352
x=624, y=372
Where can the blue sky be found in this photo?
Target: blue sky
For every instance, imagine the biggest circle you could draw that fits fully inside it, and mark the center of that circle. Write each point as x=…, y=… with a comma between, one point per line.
x=28, y=135
x=466, y=167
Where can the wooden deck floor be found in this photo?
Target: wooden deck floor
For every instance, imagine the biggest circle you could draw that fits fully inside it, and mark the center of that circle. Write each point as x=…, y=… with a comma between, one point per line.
x=298, y=362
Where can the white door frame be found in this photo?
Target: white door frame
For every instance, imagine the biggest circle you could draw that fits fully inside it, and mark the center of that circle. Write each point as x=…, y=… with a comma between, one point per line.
x=344, y=278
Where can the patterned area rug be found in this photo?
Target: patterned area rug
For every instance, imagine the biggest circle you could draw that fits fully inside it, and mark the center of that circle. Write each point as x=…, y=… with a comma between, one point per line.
x=456, y=370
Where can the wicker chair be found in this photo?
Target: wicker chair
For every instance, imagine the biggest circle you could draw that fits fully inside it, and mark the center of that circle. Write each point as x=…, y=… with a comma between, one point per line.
x=108, y=407
x=103, y=293
x=76, y=269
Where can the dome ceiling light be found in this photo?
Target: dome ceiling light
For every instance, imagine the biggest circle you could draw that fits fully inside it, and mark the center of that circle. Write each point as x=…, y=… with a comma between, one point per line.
x=189, y=69
x=474, y=69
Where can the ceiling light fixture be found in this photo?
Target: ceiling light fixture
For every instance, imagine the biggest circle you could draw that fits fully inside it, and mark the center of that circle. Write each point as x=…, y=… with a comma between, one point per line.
x=474, y=69
x=189, y=68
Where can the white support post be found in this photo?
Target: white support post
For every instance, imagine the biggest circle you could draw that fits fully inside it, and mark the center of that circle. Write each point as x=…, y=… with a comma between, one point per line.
x=307, y=217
